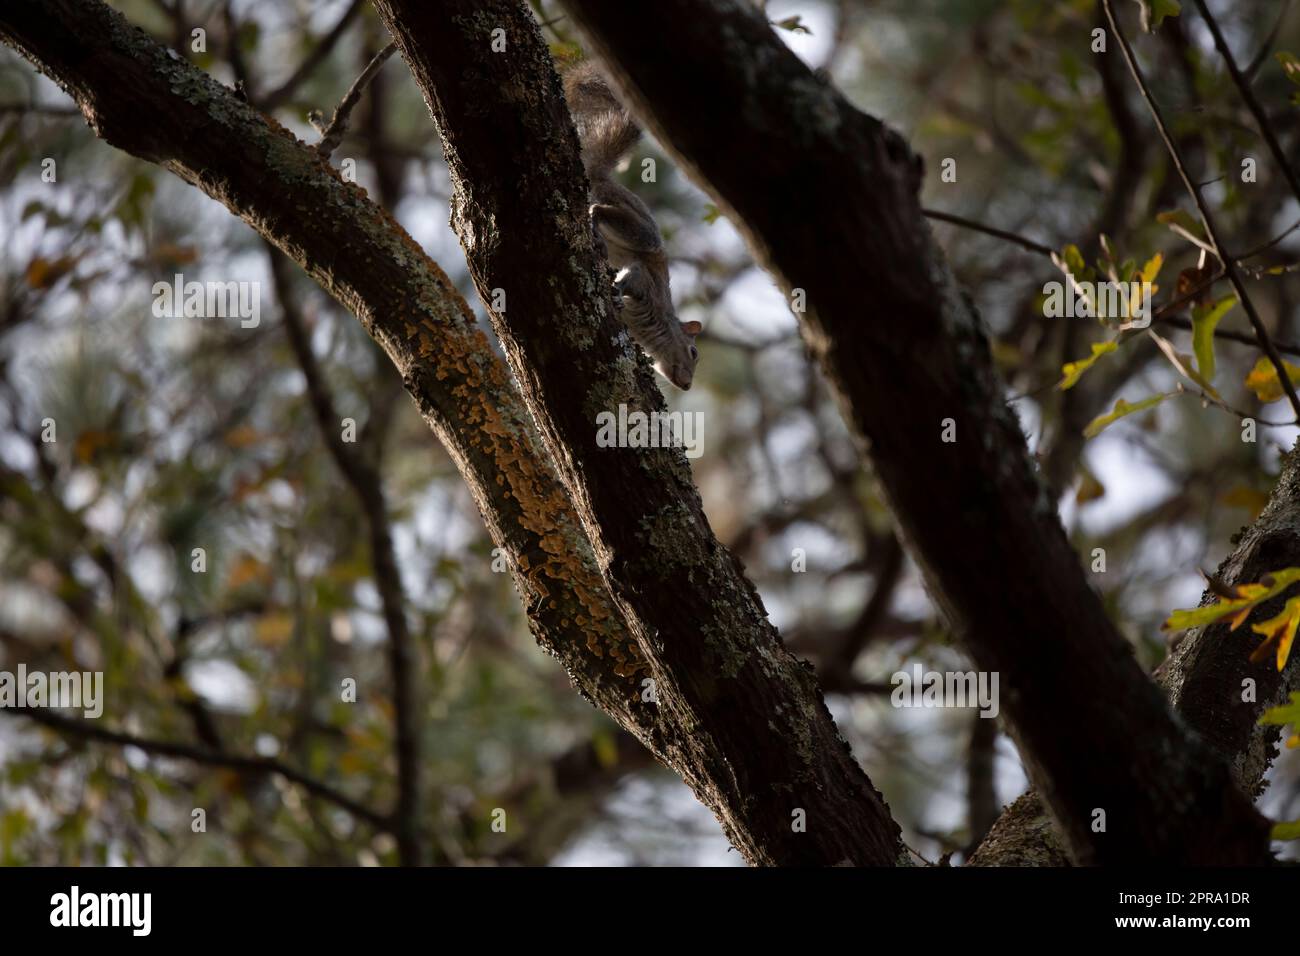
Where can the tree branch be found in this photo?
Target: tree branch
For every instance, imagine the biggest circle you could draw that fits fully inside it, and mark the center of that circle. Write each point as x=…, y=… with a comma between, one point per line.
x=1011, y=237
x=281, y=94
x=140, y=97
x=84, y=729
x=520, y=208
x=1229, y=265
x=1205, y=677
x=367, y=487
x=1243, y=87
x=878, y=293
x=332, y=134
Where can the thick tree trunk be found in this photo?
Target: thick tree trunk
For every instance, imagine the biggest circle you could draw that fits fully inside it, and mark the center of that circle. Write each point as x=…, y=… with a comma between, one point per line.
x=759, y=746
x=827, y=197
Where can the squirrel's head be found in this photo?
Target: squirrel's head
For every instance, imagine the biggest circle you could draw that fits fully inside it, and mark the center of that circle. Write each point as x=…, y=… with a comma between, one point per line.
x=675, y=360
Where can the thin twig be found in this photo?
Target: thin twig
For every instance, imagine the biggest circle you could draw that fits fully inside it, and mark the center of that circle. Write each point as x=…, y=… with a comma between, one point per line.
x=332, y=135
x=281, y=94
x=36, y=110
x=1243, y=87
x=1270, y=244
x=1267, y=45
x=1033, y=246
x=1012, y=237
x=366, y=484
x=1162, y=315
x=166, y=748
x=1244, y=338
x=1229, y=266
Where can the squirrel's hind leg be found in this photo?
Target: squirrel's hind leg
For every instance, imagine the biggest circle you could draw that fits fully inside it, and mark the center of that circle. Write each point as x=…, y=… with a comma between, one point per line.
x=625, y=228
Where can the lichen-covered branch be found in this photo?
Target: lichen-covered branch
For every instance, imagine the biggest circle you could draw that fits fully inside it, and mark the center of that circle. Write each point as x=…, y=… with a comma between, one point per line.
x=1206, y=676
x=147, y=101
x=757, y=742
x=1209, y=677
x=827, y=198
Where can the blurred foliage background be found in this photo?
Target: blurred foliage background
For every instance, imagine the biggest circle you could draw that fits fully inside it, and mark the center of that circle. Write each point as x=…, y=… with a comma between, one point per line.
x=175, y=434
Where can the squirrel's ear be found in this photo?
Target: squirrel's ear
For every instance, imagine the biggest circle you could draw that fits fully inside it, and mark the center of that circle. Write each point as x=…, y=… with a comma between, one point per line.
x=692, y=328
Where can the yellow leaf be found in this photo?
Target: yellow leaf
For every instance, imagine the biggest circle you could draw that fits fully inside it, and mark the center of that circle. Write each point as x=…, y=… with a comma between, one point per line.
x=1284, y=646
x=1248, y=597
x=1152, y=269
x=1073, y=370
x=1280, y=629
x=1121, y=409
x=1263, y=380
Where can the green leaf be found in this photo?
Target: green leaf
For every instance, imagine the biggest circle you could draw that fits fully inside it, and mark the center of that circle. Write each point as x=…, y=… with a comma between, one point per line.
x=1073, y=260
x=1286, y=831
x=1204, y=320
x=605, y=747
x=1284, y=713
x=793, y=24
x=1121, y=410
x=1073, y=371
x=711, y=213
x=1290, y=66
x=1155, y=11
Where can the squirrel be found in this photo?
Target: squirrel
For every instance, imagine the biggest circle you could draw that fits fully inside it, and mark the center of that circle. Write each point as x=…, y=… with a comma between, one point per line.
x=622, y=223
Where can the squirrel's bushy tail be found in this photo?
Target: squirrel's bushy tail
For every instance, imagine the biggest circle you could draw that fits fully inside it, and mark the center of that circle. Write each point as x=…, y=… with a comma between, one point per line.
x=605, y=129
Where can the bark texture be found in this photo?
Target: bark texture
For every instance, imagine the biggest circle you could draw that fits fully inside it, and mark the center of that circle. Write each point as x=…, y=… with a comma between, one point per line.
x=746, y=725
x=749, y=729
x=1206, y=678
x=146, y=100
x=1207, y=674
x=827, y=198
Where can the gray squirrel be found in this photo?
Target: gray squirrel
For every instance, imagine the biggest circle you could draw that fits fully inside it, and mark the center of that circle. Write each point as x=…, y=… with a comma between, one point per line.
x=631, y=237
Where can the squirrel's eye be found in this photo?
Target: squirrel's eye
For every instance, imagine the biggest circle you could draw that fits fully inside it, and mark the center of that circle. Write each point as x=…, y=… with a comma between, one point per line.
x=695, y=353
